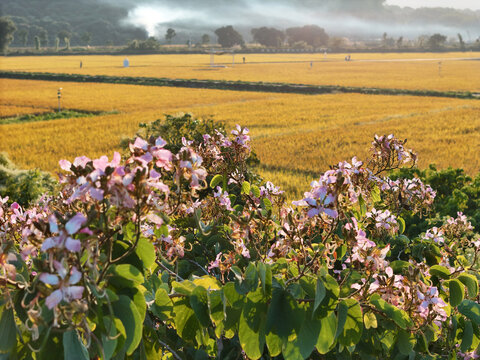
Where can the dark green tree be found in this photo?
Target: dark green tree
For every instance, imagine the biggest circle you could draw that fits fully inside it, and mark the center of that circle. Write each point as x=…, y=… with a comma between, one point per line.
x=23, y=36
x=86, y=38
x=228, y=36
x=436, y=41
x=7, y=29
x=313, y=35
x=65, y=35
x=268, y=36
x=37, y=42
x=170, y=34
x=43, y=36
x=205, y=39
x=400, y=42
x=462, y=43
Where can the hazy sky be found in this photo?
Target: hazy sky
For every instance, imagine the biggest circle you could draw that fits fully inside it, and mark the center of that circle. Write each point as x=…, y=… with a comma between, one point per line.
x=457, y=4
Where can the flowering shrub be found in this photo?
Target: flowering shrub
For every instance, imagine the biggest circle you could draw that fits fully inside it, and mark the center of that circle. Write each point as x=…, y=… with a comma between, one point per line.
x=183, y=253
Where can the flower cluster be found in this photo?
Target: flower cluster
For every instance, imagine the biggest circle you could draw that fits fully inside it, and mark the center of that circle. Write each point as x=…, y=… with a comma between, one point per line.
x=336, y=189
x=225, y=155
x=383, y=220
x=432, y=306
x=435, y=234
x=407, y=194
x=389, y=152
x=457, y=227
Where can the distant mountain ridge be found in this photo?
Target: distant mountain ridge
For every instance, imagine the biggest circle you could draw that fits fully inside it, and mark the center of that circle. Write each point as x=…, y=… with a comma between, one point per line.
x=102, y=21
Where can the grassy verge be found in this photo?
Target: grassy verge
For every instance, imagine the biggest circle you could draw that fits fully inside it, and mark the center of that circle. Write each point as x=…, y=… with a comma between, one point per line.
x=65, y=114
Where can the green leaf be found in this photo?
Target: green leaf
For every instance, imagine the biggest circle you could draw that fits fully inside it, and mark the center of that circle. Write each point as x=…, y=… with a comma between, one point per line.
x=363, y=206
x=341, y=251
x=109, y=338
x=138, y=297
x=320, y=293
x=217, y=179
x=353, y=327
x=326, y=337
x=467, y=338
x=186, y=322
x=471, y=310
x=440, y=271
x=255, y=191
x=306, y=339
x=375, y=194
x=8, y=331
x=251, y=277
x=399, y=265
x=185, y=287
x=342, y=313
x=111, y=295
x=246, y=188
x=370, y=320
x=208, y=282
x=274, y=344
x=251, y=332
x=234, y=303
x=471, y=283
x=128, y=314
x=405, y=341
x=387, y=338
x=146, y=252
x=401, y=225
x=199, y=303
x=73, y=347
x=332, y=291
x=215, y=305
x=457, y=291
x=267, y=204
x=291, y=351
x=399, y=316
x=163, y=306
x=265, y=274
x=126, y=275
x=284, y=316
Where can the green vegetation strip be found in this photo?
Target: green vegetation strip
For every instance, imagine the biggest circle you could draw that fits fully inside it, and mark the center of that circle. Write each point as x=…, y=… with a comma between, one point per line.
x=232, y=85
x=66, y=114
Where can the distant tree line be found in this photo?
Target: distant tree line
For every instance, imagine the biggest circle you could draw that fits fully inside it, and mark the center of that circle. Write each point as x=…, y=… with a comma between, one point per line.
x=40, y=23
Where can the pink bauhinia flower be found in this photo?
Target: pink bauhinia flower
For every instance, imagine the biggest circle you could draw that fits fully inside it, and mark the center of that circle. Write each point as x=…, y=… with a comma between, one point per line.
x=64, y=281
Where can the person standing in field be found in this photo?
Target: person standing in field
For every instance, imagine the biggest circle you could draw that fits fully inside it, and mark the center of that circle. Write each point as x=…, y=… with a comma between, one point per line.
x=81, y=64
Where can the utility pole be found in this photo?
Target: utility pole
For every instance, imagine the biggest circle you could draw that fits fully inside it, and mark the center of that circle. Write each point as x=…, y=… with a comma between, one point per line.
x=59, y=95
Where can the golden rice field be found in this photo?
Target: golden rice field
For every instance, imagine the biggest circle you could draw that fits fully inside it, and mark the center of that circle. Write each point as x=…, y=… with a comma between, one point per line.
x=403, y=71
x=295, y=136
x=7, y=111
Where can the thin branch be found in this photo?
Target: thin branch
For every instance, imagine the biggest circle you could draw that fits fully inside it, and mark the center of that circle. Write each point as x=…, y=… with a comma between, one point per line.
x=170, y=349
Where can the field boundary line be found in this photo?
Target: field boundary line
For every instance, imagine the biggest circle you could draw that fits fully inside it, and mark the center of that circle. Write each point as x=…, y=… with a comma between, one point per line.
x=233, y=85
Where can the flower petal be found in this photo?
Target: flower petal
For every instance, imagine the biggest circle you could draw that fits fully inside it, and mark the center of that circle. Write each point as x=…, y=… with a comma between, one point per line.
x=75, y=223
x=49, y=279
x=75, y=276
x=53, y=299
x=73, y=245
x=65, y=165
x=97, y=194
x=73, y=292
